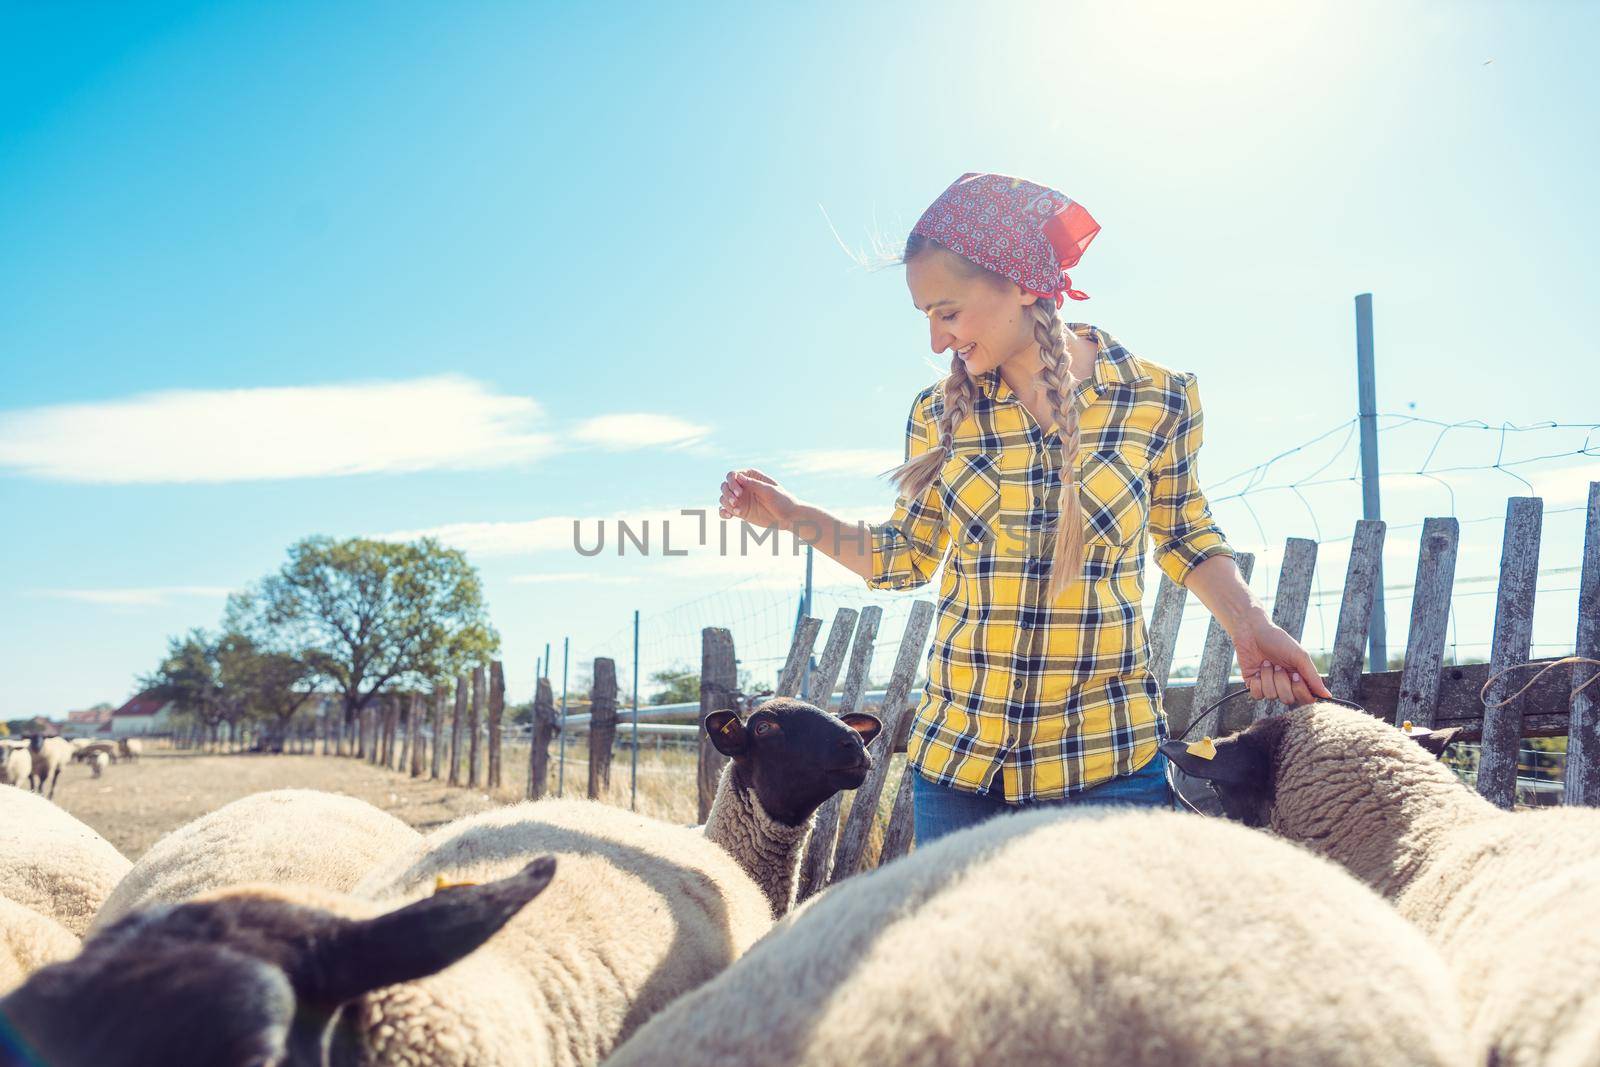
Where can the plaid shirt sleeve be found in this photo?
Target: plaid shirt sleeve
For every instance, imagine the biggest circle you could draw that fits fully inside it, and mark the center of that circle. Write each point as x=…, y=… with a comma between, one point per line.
x=908, y=548
x=1181, y=525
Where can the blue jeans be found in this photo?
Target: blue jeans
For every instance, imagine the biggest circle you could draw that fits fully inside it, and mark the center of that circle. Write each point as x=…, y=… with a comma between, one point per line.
x=941, y=809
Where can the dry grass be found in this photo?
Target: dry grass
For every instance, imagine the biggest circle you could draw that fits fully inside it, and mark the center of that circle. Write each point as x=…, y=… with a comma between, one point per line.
x=136, y=803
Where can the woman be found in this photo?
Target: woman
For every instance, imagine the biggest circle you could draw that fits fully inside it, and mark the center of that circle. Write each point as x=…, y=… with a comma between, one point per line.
x=1040, y=464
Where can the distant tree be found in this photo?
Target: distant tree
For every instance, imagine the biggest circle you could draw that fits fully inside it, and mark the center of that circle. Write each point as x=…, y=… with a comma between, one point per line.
x=190, y=675
x=364, y=614
x=679, y=685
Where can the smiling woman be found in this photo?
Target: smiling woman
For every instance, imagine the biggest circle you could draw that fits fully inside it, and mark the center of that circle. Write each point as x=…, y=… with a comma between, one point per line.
x=1034, y=471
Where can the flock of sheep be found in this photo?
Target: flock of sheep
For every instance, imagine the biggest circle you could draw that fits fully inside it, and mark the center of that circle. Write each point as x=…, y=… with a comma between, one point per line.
x=1361, y=907
x=37, y=761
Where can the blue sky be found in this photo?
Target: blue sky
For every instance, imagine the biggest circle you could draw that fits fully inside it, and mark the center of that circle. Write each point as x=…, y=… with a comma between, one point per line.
x=483, y=268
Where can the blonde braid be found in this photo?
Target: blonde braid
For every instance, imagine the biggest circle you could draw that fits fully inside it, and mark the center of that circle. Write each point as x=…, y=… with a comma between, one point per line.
x=913, y=477
x=1066, y=563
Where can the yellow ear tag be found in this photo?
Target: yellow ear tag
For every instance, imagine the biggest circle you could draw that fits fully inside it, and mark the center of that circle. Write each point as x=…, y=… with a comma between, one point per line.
x=439, y=883
x=1406, y=726
x=1204, y=748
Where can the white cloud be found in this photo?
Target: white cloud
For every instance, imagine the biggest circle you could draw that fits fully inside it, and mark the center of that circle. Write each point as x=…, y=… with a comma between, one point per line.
x=226, y=435
x=1565, y=485
x=153, y=596
x=867, y=462
x=640, y=430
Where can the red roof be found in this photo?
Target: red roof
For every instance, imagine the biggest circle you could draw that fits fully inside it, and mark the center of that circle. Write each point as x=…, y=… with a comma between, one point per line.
x=143, y=704
x=88, y=716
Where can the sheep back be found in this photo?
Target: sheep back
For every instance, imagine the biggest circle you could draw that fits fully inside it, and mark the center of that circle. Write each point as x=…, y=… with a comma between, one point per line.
x=28, y=941
x=291, y=836
x=54, y=864
x=16, y=767
x=1137, y=938
x=639, y=912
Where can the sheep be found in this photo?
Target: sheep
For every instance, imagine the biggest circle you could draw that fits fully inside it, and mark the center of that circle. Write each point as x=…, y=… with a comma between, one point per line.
x=299, y=836
x=1511, y=899
x=130, y=747
x=53, y=863
x=785, y=761
x=16, y=766
x=50, y=754
x=85, y=752
x=260, y=974
x=28, y=941
x=1091, y=937
x=643, y=911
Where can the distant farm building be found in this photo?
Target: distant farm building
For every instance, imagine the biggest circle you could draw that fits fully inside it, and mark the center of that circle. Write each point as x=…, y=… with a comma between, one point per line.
x=144, y=714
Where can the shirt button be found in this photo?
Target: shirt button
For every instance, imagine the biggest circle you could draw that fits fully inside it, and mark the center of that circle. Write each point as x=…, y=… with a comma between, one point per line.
x=1037, y=502
x=1017, y=684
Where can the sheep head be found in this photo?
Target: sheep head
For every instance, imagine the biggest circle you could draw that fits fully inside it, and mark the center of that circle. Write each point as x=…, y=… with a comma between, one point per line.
x=1245, y=767
x=244, y=977
x=795, y=755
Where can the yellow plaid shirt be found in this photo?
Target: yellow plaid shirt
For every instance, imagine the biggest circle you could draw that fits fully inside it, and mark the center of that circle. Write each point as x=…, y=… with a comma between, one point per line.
x=1056, y=698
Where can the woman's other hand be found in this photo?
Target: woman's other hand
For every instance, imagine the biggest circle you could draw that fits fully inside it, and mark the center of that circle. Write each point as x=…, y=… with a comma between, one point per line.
x=1275, y=666
x=757, y=499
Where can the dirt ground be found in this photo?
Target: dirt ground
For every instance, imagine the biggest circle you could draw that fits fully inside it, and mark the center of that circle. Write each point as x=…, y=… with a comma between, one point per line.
x=135, y=803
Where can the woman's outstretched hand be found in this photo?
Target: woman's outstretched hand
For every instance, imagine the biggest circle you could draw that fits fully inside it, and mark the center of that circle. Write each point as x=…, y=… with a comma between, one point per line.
x=757, y=499
x=1275, y=666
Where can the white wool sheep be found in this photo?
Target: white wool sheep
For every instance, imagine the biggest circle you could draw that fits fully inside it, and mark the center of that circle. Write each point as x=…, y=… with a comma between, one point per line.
x=639, y=912
x=130, y=747
x=98, y=763
x=53, y=863
x=1512, y=899
x=785, y=761
x=28, y=941
x=283, y=836
x=1090, y=937
x=50, y=755
x=16, y=766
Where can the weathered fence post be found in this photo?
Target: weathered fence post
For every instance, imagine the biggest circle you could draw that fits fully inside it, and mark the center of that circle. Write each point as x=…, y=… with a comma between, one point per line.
x=719, y=682
x=458, y=723
x=436, y=763
x=475, y=725
x=497, y=711
x=1165, y=618
x=805, y=639
x=391, y=727
x=543, y=728
x=602, y=726
x=1583, y=732
x=1289, y=606
x=1430, y=622
x=849, y=627
x=1216, y=663
x=896, y=709
x=410, y=755
x=1350, y=636
x=1513, y=641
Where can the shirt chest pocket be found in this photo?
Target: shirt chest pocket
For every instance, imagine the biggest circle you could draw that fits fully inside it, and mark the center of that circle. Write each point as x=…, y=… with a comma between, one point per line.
x=969, y=490
x=1115, y=498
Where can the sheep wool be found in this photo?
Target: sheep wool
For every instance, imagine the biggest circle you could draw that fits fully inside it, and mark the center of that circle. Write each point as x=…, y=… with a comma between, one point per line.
x=16, y=766
x=769, y=851
x=640, y=912
x=1511, y=899
x=54, y=864
x=28, y=941
x=283, y=836
x=1092, y=938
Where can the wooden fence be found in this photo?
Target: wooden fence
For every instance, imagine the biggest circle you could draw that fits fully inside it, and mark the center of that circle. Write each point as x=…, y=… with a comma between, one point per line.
x=408, y=732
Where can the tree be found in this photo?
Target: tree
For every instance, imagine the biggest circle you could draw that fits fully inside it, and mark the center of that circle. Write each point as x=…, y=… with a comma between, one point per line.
x=679, y=685
x=364, y=614
x=191, y=676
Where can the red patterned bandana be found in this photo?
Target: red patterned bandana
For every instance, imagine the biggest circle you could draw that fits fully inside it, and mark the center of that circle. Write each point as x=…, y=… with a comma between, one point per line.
x=1015, y=228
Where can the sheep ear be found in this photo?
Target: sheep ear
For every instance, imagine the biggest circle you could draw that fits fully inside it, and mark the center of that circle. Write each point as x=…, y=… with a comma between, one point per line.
x=868, y=726
x=1235, y=761
x=1435, y=741
x=419, y=939
x=727, y=733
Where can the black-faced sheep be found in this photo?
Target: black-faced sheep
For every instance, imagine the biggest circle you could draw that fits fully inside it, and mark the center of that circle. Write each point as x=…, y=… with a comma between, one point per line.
x=50, y=755
x=1511, y=899
x=786, y=760
x=251, y=976
x=283, y=836
x=1095, y=938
